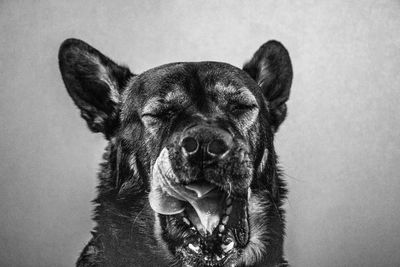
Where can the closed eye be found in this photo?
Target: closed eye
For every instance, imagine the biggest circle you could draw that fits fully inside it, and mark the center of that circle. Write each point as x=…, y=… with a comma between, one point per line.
x=242, y=107
x=160, y=114
x=152, y=115
x=242, y=101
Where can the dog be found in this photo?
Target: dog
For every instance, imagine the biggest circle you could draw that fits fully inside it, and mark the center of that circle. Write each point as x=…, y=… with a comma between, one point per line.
x=190, y=176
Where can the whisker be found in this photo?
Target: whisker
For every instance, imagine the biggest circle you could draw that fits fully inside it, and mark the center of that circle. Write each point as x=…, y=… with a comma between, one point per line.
x=276, y=207
x=294, y=178
x=230, y=188
x=134, y=221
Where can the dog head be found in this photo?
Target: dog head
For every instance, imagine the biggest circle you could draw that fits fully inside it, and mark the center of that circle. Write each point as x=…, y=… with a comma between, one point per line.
x=196, y=138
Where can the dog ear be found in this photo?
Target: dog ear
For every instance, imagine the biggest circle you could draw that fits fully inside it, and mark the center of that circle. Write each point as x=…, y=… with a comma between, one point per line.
x=94, y=82
x=271, y=68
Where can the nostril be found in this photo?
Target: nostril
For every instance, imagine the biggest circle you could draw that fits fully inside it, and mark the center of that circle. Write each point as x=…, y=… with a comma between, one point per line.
x=217, y=147
x=189, y=144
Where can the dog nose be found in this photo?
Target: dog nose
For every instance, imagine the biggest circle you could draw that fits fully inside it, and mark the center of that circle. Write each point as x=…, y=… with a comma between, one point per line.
x=204, y=143
x=217, y=147
x=190, y=145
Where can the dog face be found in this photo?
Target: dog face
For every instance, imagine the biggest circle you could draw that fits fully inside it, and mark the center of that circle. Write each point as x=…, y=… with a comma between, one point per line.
x=196, y=139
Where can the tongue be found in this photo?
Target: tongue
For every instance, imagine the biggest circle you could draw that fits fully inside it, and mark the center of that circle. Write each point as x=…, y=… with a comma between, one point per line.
x=163, y=203
x=167, y=197
x=207, y=206
x=201, y=188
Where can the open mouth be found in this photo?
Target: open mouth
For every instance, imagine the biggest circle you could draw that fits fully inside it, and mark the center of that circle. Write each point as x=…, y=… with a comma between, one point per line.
x=216, y=218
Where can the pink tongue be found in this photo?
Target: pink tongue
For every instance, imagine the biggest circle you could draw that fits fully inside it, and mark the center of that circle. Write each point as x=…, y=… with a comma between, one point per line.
x=169, y=198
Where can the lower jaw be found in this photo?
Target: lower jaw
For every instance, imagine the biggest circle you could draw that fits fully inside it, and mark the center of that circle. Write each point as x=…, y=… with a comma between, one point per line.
x=224, y=243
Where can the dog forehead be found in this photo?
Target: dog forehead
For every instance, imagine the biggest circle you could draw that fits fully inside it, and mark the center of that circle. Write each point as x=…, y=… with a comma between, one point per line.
x=189, y=82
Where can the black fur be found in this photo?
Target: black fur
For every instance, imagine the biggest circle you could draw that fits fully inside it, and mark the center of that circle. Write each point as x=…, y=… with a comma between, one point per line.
x=111, y=100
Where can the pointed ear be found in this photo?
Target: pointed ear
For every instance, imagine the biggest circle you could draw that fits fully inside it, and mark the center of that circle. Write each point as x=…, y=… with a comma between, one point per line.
x=271, y=68
x=94, y=82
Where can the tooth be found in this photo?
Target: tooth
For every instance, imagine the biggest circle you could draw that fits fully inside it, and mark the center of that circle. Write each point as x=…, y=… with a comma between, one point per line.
x=228, y=201
x=194, y=248
x=218, y=258
x=186, y=220
x=228, y=210
x=227, y=247
x=225, y=219
x=221, y=228
x=206, y=258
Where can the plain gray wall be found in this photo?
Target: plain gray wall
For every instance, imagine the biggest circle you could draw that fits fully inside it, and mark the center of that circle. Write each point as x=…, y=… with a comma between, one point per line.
x=340, y=144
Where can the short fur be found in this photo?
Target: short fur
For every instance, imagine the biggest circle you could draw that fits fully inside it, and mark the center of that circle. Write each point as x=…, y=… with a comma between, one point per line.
x=113, y=101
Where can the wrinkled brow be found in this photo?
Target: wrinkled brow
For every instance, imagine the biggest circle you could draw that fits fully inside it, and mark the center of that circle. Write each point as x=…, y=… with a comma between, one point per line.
x=231, y=93
x=173, y=98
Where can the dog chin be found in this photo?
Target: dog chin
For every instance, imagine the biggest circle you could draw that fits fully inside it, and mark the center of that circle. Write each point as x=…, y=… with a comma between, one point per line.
x=216, y=219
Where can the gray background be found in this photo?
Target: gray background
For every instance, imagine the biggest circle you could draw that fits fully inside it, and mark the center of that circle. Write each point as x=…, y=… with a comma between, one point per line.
x=340, y=144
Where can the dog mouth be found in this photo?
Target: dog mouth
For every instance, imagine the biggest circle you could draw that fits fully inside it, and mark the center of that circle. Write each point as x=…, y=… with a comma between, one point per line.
x=206, y=211
x=216, y=218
